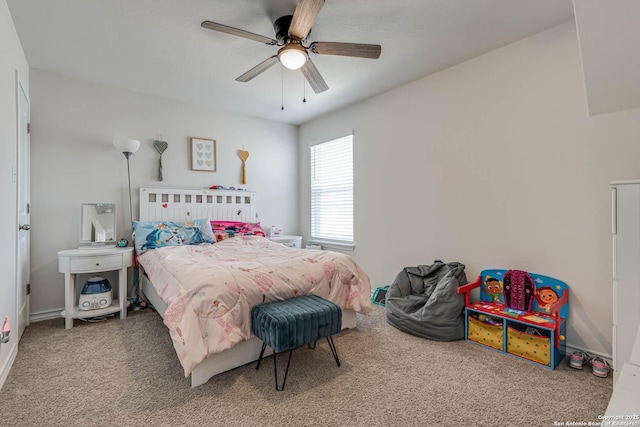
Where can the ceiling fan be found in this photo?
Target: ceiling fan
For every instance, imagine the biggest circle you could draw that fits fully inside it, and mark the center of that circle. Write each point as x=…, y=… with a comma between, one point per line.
x=291, y=33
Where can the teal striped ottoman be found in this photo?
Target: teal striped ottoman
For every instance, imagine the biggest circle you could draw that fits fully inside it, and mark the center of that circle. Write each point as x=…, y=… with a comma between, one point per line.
x=286, y=325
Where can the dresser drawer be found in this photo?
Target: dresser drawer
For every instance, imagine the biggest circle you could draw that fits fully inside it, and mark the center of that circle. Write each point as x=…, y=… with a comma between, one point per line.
x=109, y=262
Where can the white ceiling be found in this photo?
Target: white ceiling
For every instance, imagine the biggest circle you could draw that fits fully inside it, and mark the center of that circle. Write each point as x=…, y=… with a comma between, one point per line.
x=158, y=46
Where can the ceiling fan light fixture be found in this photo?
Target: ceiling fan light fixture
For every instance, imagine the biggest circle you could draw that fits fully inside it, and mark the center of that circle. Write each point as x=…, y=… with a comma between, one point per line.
x=292, y=56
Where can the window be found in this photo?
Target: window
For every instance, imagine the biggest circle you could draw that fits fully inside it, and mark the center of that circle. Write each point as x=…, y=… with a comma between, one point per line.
x=332, y=192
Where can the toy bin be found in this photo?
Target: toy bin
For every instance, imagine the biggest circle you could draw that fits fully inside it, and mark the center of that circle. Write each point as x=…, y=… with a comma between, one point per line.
x=530, y=343
x=520, y=314
x=485, y=333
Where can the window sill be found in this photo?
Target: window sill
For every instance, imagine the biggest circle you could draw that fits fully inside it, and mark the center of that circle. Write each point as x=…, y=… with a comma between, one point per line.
x=333, y=245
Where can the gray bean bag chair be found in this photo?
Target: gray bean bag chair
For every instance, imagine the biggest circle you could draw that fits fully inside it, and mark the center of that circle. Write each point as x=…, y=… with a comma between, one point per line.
x=424, y=301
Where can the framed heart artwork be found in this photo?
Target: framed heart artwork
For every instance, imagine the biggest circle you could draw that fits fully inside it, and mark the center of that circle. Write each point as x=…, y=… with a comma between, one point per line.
x=203, y=154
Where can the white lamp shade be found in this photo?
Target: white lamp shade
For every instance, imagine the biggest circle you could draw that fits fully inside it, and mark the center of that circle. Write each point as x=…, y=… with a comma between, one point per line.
x=127, y=145
x=292, y=56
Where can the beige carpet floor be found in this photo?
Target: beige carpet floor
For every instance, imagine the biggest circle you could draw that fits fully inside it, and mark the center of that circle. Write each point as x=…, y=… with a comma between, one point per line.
x=126, y=373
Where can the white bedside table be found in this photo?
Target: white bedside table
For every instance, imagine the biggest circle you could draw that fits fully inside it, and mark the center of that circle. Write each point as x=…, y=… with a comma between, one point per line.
x=75, y=261
x=291, y=241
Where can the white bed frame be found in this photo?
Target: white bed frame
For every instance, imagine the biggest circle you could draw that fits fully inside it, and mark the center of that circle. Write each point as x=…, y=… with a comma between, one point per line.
x=180, y=204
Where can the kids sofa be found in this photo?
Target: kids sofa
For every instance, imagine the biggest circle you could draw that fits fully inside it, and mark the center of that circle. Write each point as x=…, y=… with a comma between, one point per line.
x=424, y=301
x=521, y=314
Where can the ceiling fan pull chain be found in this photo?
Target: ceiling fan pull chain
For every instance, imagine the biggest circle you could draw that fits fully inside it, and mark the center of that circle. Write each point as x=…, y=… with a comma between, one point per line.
x=282, y=86
x=304, y=90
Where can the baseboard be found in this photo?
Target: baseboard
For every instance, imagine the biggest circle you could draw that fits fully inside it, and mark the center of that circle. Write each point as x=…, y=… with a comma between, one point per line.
x=4, y=372
x=45, y=315
x=607, y=357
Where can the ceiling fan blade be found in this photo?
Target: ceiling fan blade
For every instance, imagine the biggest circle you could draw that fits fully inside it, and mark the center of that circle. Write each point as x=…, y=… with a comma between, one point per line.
x=304, y=16
x=258, y=69
x=237, y=32
x=360, y=50
x=313, y=76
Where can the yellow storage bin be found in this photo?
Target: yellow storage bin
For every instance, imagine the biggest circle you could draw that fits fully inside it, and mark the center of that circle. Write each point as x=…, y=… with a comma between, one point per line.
x=533, y=347
x=486, y=334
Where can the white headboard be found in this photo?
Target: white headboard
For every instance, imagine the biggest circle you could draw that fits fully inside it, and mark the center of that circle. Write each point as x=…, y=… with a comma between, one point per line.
x=181, y=204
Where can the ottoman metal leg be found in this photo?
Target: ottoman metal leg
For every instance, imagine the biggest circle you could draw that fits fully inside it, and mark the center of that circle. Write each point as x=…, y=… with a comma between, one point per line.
x=275, y=370
x=332, y=346
x=275, y=366
x=264, y=345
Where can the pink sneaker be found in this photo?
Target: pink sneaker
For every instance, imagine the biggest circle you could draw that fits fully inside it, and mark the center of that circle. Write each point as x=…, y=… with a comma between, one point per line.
x=600, y=367
x=577, y=359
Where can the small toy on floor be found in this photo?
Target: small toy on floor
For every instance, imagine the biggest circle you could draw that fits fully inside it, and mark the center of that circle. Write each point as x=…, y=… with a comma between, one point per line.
x=380, y=295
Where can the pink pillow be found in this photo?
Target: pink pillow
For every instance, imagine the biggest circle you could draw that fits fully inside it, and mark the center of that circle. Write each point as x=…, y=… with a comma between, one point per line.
x=225, y=229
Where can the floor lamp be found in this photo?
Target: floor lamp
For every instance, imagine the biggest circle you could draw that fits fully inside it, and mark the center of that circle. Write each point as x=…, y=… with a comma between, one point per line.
x=128, y=147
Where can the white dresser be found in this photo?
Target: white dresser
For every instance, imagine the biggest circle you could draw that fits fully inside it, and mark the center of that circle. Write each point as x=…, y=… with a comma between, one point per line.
x=624, y=406
x=626, y=270
x=625, y=400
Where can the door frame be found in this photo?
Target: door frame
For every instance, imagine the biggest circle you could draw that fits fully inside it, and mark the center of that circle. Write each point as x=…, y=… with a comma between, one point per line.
x=23, y=261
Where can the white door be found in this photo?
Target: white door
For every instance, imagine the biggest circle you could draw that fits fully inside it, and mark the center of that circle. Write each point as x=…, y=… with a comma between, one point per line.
x=23, y=257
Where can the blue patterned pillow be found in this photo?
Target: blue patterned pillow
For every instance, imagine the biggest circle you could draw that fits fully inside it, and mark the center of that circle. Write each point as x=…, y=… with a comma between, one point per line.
x=156, y=234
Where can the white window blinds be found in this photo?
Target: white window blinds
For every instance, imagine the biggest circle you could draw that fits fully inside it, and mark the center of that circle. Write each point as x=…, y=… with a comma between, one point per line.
x=332, y=191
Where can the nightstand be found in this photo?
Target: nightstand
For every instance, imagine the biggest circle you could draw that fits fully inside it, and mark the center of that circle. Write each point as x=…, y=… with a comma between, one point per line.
x=81, y=261
x=291, y=241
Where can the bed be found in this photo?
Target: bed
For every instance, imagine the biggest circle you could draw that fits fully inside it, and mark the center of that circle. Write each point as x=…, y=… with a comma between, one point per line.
x=205, y=292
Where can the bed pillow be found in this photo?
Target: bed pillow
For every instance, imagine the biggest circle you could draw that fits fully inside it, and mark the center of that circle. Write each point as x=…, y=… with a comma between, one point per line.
x=225, y=229
x=156, y=234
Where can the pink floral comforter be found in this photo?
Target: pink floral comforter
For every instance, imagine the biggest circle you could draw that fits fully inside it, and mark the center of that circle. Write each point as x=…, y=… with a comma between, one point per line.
x=210, y=289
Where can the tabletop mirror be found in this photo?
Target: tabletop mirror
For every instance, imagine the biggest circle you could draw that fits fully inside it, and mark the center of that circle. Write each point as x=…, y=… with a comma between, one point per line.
x=97, y=225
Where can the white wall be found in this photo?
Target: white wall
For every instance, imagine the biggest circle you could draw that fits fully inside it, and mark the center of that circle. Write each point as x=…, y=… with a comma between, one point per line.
x=608, y=35
x=73, y=160
x=11, y=59
x=493, y=163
